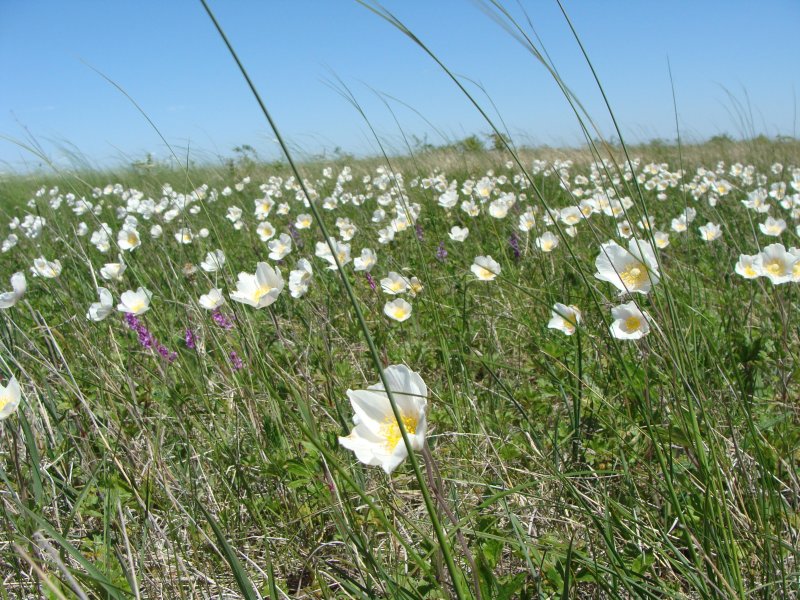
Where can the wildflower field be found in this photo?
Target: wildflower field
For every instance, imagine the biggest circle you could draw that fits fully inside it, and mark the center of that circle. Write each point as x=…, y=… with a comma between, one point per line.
x=591, y=359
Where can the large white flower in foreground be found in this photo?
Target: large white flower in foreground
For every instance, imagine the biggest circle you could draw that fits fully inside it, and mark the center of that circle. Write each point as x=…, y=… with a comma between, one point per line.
x=631, y=270
x=10, y=395
x=376, y=438
x=18, y=287
x=261, y=289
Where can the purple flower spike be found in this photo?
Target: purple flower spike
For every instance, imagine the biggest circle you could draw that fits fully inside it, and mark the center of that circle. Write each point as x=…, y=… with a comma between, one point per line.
x=514, y=243
x=236, y=362
x=191, y=341
x=371, y=281
x=441, y=252
x=221, y=320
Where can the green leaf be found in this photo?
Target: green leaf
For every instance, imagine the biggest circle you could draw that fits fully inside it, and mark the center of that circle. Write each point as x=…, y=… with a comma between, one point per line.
x=242, y=579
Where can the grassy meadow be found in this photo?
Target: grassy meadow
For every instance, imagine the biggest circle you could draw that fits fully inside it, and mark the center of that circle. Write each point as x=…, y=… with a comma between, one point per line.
x=175, y=447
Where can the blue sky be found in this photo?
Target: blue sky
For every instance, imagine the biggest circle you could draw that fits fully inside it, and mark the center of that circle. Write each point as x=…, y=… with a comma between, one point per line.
x=168, y=58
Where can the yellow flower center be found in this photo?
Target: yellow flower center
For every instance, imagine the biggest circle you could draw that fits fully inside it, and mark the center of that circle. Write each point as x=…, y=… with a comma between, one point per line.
x=484, y=273
x=397, y=286
x=632, y=323
x=4, y=400
x=137, y=306
x=399, y=312
x=750, y=271
x=390, y=430
x=132, y=239
x=775, y=267
x=547, y=245
x=262, y=291
x=634, y=275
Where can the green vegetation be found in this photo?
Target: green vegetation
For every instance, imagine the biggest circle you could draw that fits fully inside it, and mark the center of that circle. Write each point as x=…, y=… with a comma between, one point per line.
x=559, y=465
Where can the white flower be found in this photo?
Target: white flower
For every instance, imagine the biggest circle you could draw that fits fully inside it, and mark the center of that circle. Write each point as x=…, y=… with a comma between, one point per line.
x=342, y=250
x=630, y=323
x=631, y=270
x=624, y=229
x=376, y=438
x=547, y=242
x=527, y=220
x=184, y=235
x=776, y=264
x=679, y=224
x=234, y=214
x=263, y=207
x=303, y=221
x=10, y=395
x=458, y=234
x=300, y=279
x=212, y=300
x=661, y=239
x=136, y=303
x=485, y=268
x=259, y=290
x=398, y=309
x=795, y=252
x=113, y=271
x=366, y=261
x=100, y=310
x=156, y=231
x=499, y=208
x=773, y=227
x=448, y=199
x=394, y=283
x=565, y=318
x=748, y=266
x=385, y=235
x=710, y=231
x=45, y=268
x=571, y=215
x=18, y=287
x=214, y=261
x=128, y=239
x=281, y=247
x=265, y=231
